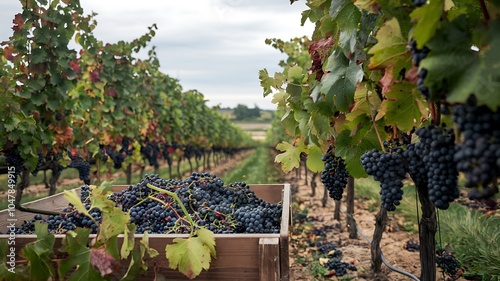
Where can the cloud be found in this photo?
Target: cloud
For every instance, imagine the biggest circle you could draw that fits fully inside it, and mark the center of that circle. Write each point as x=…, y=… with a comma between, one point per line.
x=214, y=46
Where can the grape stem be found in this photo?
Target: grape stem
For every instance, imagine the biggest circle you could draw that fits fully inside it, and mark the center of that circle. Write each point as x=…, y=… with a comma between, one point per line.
x=178, y=200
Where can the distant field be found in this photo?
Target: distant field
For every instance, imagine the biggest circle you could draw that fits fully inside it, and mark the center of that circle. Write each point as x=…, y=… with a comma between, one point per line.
x=257, y=130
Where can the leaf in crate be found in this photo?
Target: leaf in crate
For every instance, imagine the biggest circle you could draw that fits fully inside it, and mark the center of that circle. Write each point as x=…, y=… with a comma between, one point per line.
x=40, y=252
x=114, y=222
x=128, y=240
x=75, y=200
x=207, y=238
x=137, y=262
x=135, y=267
x=75, y=244
x=144, y=246
x=190, y=255
x=103, y=261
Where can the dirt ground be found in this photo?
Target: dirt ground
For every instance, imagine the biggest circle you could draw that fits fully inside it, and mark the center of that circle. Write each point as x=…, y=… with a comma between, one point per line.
x=355, y=251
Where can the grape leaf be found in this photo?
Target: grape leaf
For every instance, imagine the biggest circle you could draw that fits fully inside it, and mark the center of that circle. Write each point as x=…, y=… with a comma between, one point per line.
x=20, y=273
x=39, y=253
x=128, y=241
x=403, y=107
x=295, y=74
x=428, y=17
x=290, y=158
x=350, y=145
x=314, y=162
x=103, y=261
x=75, y=243
x=390, y=47
x=191, y=255
x=76, y=201
x=340, y=82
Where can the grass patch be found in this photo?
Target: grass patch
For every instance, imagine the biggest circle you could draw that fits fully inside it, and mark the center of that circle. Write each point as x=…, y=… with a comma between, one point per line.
x=258, y=168
x=474, y=238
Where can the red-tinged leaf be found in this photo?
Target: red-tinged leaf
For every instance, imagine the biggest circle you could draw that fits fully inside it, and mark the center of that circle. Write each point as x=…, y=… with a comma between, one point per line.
x=94, y=76
x=412, y=75
x=8, y=51
x=18, y=22
x=103, y=261
x=387, y=80
x=75, y=66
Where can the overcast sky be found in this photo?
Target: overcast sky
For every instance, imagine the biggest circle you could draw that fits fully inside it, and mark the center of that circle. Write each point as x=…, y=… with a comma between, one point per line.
x=214, y=46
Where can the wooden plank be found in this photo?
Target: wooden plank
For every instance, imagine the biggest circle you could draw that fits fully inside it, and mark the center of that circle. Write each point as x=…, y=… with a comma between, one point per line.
x=269, y=259
x=285, y=222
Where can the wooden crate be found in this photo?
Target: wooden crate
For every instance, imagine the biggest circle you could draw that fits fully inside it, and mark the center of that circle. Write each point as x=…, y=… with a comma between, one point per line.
x=239, y=256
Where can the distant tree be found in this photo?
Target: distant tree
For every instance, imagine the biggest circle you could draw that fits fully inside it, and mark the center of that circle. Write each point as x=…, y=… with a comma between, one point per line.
x=242, y=112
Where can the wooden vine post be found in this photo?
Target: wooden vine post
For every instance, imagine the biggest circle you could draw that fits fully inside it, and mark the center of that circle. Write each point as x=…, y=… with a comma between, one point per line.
x=351, y=222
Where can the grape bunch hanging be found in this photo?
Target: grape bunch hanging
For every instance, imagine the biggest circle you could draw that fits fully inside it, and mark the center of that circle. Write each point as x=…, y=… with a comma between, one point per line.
x=478, y=155
x=387, y=168
x=334, y=175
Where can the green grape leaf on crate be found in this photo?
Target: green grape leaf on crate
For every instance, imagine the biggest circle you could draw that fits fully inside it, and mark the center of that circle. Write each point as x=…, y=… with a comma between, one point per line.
x=191, y=255
x=128, y=241
x=75, y=244
x=76, y=201
x=40, y=252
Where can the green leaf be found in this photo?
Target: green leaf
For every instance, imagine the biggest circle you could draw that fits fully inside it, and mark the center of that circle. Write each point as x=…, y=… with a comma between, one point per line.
x=14, y=272
x=11, y=123
x=340, y=82
x=428, y=17
x=390, y=47
x=207, y=238
x=40, y=253
x=144, y=245
x=295, y=74
x=403, y=107
x=347, y=15
x=314, y=162
x=190, y=255
x=350, y=145
x=290, y=158
x=38, y=56
x=76, y=201
x=75, y=244
x=128, y=241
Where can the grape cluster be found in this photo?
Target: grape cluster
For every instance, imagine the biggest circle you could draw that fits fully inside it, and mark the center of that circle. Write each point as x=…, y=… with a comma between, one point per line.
x=388, y=168
x=222, y=209
x=449, y=263
x=478, y=155
x=15, y=160
x=419, y=3
x=417, y=56
x=117, y=157
x=436, y=149
x=151, y=151
x=334, y=175
x=334, y=256
x=415, y=165
x=82, y=166
x=39, y=164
